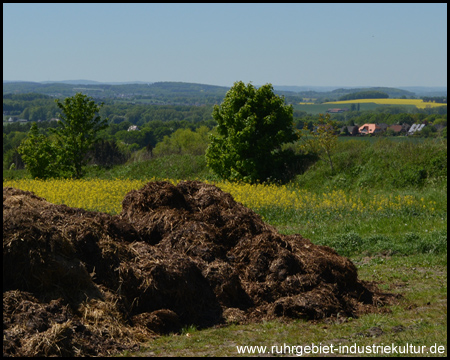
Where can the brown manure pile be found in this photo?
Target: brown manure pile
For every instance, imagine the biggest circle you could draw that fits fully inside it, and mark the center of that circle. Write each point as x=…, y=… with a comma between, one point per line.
x=80, y=283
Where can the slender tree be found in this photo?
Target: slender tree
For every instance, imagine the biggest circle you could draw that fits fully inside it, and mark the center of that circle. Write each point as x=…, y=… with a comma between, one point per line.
x=77, y=132
x=322, y=140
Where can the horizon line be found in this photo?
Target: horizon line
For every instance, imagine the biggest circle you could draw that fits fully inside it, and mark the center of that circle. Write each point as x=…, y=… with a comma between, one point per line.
x=188, y=82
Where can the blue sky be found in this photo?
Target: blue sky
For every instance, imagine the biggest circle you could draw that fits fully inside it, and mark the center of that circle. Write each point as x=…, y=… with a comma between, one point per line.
x=282, y=44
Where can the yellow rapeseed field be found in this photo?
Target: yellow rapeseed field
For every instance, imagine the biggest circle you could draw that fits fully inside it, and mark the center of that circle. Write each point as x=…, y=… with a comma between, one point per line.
x=98, y=195
x=107, y=195
x=419, y=103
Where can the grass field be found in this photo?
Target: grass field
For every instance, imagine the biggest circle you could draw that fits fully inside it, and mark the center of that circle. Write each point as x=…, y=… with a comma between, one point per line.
x=385, y=208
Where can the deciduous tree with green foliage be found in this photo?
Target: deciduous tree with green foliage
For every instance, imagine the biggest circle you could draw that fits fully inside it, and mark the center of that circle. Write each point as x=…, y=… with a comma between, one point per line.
x=184, y=141
x=64, y=154
x=252, y=126
x=77, y=132
x=39, y=154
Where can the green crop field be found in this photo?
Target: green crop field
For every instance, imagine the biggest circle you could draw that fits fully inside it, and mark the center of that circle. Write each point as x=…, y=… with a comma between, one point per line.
x=322, y=108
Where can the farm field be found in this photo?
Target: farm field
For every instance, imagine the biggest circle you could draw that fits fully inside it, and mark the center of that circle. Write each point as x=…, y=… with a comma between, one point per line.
x=366, y=104
x=396, y=238
x=419, y=103
x=322, y=108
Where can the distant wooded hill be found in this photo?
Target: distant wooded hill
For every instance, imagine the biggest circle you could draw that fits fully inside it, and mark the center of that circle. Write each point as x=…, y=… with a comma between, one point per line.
x=158, y=93
x=331, y=91
x=180, y=93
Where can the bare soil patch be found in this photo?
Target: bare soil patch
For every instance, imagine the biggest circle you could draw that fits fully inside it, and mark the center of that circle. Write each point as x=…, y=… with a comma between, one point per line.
x=78, y=283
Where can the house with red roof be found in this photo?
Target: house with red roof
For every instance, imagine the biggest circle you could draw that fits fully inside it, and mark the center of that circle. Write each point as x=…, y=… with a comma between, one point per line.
x=367, y=129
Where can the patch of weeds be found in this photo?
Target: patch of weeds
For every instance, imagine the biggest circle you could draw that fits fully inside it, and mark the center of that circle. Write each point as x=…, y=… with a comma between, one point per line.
x=385, y=244
x=434, y=243
x=188, y=330
x=345, y=244
x=369, y=321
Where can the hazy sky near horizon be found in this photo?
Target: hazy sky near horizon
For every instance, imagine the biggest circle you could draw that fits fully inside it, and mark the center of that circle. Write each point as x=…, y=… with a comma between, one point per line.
x=283, y=44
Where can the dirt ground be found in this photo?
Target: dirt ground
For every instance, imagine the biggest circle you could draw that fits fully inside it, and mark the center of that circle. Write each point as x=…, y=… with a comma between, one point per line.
x=80, y=283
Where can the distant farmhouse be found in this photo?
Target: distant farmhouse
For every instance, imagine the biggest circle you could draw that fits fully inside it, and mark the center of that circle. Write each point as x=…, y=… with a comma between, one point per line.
x=336, y=110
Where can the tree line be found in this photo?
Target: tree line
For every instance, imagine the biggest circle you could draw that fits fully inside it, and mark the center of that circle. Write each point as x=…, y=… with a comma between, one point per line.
x=157, y=122
x=370, y=94
x=436, y=99
x=176, y=129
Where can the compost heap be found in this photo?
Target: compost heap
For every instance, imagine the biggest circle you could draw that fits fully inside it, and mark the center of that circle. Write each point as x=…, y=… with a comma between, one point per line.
x=80, y=283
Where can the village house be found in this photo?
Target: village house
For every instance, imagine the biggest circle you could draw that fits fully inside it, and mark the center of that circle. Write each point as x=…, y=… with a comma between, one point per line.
x=351, y=130
x=382, y=126
x=400, y=129
x=367, y=129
